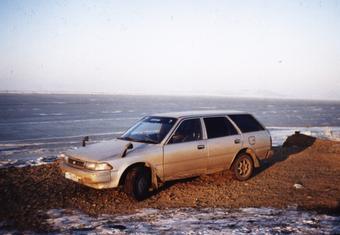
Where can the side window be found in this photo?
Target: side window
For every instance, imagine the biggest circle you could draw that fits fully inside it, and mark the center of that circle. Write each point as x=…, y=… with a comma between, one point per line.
x=246, y=122
x=189, y=130
x=219, y=127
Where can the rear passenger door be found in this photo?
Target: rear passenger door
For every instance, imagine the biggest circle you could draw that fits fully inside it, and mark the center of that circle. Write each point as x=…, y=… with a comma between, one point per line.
x=223, y=142
x=254, y=134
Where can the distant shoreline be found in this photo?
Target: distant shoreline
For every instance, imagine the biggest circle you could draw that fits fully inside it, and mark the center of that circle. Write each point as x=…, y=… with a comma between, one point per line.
x=4, y=92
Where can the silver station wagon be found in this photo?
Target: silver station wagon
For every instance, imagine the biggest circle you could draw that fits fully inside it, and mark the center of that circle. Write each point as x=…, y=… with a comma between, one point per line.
x=169, y=146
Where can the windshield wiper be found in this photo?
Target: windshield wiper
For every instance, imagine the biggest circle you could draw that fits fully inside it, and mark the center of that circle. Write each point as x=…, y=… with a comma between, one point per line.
x=126, y=138
x=149, y=141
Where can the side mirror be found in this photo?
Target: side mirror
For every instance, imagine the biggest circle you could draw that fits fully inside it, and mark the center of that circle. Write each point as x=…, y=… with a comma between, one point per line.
x=85, y=139
x=128, y=146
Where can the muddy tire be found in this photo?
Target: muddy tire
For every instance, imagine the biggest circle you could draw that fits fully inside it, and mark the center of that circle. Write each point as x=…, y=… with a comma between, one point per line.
x=137, y=183
x=243, y=167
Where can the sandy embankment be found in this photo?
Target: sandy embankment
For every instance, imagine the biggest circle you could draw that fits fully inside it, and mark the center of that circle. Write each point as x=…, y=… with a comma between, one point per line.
x=313, y=164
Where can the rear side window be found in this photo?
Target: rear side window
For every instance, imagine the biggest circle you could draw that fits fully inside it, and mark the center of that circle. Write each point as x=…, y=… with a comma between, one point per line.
x=219, y=127
x=246, y=122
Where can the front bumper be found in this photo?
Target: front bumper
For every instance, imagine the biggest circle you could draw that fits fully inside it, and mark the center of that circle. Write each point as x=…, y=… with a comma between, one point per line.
x=93, y=179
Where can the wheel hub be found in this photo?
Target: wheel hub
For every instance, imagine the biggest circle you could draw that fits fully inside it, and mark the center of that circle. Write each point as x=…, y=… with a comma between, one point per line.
x=243, y=167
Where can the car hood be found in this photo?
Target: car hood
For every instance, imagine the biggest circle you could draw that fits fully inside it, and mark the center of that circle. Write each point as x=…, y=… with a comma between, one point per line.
x=104, y=151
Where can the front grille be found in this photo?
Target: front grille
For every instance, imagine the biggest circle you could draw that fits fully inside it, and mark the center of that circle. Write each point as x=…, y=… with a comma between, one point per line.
x=76, y=162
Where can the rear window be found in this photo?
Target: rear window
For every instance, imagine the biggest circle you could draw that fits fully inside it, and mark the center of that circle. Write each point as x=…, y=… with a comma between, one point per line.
x=219, y=127
x=246, y=122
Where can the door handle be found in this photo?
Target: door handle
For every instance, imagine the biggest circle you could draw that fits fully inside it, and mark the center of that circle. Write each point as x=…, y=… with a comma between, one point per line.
x=201, y=146
x=237, y=141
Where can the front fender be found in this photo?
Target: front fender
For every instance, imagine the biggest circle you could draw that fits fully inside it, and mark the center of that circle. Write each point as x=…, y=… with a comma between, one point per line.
x=153, y=170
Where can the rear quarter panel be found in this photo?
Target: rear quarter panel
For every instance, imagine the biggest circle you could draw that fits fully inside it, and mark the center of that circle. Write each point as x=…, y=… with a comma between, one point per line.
x=259, y=141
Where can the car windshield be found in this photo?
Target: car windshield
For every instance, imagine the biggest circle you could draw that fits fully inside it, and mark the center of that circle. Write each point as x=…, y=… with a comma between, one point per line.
x=149, y=130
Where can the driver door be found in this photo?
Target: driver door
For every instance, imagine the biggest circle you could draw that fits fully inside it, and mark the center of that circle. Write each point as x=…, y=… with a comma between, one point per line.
x=186, y=153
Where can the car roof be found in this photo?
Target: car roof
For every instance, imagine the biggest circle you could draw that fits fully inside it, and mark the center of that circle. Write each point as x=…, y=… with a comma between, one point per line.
x=197, y=113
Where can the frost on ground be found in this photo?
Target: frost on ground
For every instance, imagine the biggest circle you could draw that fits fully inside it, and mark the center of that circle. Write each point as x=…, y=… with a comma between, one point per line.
x=193, y=221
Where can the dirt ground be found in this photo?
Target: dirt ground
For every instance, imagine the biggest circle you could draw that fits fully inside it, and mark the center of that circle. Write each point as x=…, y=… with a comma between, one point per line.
x=313, y=164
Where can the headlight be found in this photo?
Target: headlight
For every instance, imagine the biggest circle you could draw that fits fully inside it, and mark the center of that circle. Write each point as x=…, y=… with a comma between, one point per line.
x=102, y=166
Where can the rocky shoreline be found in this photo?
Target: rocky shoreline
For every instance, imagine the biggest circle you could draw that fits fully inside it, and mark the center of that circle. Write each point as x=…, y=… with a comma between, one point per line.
x=304, y=173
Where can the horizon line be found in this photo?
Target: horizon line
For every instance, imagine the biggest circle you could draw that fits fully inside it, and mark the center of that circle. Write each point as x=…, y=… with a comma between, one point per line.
x=138, y=93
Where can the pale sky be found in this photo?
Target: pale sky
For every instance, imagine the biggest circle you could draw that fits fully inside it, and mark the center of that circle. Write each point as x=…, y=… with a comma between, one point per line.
x=236, y=48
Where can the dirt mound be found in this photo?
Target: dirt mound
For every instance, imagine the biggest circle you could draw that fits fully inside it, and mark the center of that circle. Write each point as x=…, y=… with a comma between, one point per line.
x=304, y=141
x=305, y=173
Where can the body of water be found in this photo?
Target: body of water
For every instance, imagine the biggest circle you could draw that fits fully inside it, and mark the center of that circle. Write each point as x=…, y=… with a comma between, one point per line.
x=34, y=128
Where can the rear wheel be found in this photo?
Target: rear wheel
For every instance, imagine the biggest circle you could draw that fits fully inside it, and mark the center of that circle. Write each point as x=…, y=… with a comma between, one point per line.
x=243, y=167
x=137, y=183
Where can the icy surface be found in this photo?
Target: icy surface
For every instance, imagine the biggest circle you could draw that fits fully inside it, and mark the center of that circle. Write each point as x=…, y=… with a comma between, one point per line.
x=195, y=221
x=41, y=151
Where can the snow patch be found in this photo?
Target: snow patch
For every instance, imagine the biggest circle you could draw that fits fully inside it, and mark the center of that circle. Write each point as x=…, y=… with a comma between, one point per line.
x=193, y=221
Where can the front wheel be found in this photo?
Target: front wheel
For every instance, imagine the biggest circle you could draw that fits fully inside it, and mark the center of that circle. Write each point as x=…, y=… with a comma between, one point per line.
x=243, y=167
x=137, y=183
